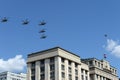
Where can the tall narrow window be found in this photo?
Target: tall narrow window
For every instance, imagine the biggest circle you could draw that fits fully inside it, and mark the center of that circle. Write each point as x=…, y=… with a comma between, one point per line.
x=63, y=67
x=33, y=64
x=62, y=60
x=52, y=67
x=76, y=72
x=63, y=75
x=42, y=62
x=69, y=70
x=52, y=60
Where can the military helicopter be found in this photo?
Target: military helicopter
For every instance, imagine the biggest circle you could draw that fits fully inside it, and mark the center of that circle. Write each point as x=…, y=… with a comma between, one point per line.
x=42, y=23
x=43, y=36
x=42, y=31
x=25, y=22
x=4, y=19
x=105, y=35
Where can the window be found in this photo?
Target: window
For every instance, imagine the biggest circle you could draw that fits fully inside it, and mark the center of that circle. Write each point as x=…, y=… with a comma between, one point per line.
x=86, y=72
x=32, y=71
x=76, y=72
x=69, y=70
x=76, y=78
x=90, y=63
x=62, y=60
x=86, y=78
x=76, y=65
x=52, y=75
x=33, y=78
x=95, y=63
x=82, y=70
x=42, y=76
x=42, y=62
x=52, y=60
x=33, y=64
x=101, y=65
x=52, y=67
x=82, y=77
x=42, y=68
x=63, y=67
x=98, y=64
x=70, y=77
x=63, y=75
x=69, y=62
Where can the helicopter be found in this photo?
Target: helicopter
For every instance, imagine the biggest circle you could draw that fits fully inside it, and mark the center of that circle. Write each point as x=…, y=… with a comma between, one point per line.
x=43, y=36
x=42, y=23
x=105, y=35
x=42, y=31
x=4, y=19
x=25, y=22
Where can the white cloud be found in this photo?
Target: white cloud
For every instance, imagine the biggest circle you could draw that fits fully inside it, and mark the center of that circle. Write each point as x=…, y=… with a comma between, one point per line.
x=15, y=64
x=113, y=47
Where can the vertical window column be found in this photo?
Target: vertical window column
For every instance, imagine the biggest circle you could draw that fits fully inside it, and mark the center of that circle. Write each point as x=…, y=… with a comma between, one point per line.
x=66, y=69
x=37, y=68
x=47, y=69
x=58, y=68
x=29, y=71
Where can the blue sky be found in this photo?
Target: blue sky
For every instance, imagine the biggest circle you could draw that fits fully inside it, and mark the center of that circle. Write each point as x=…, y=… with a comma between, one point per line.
x=78, y=26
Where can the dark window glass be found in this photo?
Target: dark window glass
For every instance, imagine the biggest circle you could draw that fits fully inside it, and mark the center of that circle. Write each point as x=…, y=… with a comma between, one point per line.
x=63, y=67
x=63, y=75
x=62, y=60
x=42, y=76
x=42, y=68
x=52, y=74
x=42, y=62
x=32, y=71
x=52, y=60
x=33, y=78
x=52, y=67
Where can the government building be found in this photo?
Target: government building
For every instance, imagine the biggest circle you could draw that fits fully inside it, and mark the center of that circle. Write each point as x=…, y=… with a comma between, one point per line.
x=59, y=64
x=12, y=76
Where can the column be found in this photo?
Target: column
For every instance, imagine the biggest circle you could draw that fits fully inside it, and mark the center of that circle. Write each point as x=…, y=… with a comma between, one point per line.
x=47, y=69
x=98, y=77
x=95, y=77
x=79, y=72
x=37, y=68
x=66, y=69
x=88, y=75
x=101, y=78
x=29, y=71
x=105, y=78
x=58, y=68
x=73, y=71
x=84, y=74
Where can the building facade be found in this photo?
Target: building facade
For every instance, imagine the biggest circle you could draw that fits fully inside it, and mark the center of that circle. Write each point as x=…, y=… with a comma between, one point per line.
x=56, y=64
x=101, y=69
x=60, y=64
x=12, y=76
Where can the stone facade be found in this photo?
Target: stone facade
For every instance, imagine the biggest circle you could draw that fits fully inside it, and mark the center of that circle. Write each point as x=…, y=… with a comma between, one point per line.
x=56, y=64
x=100, y=69
x=60, y=64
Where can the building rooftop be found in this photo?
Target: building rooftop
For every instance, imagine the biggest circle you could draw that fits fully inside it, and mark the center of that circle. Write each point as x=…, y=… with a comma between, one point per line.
x=50, y=50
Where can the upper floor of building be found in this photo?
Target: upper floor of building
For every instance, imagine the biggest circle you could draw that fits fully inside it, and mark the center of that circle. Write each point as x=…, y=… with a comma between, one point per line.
x=103, y=65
